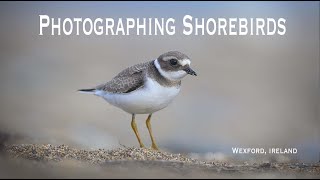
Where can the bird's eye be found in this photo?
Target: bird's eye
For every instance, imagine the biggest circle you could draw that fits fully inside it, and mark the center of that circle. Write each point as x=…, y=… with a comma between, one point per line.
x=173, y=62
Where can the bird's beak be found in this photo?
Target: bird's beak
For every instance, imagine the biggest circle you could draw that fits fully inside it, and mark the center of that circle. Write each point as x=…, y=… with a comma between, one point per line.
x=188, y=70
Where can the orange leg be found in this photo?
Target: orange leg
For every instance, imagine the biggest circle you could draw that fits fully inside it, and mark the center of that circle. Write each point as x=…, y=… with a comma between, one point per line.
x=135, y=129
x=154, y=145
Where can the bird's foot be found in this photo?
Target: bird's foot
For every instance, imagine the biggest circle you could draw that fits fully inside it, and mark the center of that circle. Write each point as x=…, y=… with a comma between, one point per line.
x=142, y=146
x=155, y=147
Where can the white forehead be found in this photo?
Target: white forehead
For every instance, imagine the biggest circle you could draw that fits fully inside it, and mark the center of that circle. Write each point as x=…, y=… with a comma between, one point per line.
x=184, y=62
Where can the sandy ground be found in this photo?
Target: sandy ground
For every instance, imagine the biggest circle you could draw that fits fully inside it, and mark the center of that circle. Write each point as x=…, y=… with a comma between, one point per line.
x=48, y=161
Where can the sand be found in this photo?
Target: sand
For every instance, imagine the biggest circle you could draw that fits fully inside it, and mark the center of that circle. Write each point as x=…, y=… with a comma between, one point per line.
x=49, y=161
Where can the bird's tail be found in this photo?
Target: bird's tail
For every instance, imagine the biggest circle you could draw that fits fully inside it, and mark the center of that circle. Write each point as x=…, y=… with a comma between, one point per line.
x=87, y=91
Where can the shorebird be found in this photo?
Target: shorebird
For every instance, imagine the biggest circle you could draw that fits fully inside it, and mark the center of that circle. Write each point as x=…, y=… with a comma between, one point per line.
x=146, y=88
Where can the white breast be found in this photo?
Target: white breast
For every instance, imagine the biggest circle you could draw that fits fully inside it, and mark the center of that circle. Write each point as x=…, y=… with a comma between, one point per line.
x=150, y=98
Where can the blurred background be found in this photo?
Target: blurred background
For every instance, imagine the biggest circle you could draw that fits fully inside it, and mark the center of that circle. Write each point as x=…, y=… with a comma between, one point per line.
x=251, y=91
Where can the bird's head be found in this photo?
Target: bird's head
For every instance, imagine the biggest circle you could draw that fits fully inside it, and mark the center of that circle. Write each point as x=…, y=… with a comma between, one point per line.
x=174, y=65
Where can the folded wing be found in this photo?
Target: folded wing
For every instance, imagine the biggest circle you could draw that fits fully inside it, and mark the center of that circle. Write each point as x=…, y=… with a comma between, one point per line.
x=127, y=80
